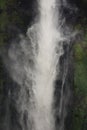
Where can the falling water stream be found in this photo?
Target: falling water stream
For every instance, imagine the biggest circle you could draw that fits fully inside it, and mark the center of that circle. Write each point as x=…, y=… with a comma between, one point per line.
x=34, y=65
x=45, y=65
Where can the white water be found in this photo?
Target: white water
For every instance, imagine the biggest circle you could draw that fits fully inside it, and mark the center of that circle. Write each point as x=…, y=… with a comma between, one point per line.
x=45, y=66
x=44, y=50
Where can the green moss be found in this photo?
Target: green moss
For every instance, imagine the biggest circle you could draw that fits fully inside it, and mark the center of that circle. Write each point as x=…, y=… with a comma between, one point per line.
x=80, y=90
x=78, y=118
x=81, y=67
x=79, y=54
x=3, y=20
x=3, y=4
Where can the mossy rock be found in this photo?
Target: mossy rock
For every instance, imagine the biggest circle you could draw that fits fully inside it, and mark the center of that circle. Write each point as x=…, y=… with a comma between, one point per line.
x=80, y=89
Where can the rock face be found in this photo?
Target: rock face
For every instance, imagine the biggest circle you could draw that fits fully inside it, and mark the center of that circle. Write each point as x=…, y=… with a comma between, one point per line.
x=81, y=4
x=66, y=81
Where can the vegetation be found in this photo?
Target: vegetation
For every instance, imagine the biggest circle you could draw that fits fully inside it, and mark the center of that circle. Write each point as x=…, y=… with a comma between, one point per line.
x=80, y=78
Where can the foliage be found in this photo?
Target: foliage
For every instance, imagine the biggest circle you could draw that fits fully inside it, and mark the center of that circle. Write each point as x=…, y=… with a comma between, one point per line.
x=80, y=78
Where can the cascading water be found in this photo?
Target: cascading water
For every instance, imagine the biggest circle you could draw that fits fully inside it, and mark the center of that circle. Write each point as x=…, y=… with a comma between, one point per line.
x=33, y=64
x=45, y=66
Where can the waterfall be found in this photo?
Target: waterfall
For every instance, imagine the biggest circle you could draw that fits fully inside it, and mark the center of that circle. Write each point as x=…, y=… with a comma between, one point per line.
x=34, y=63
x=45, y=65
